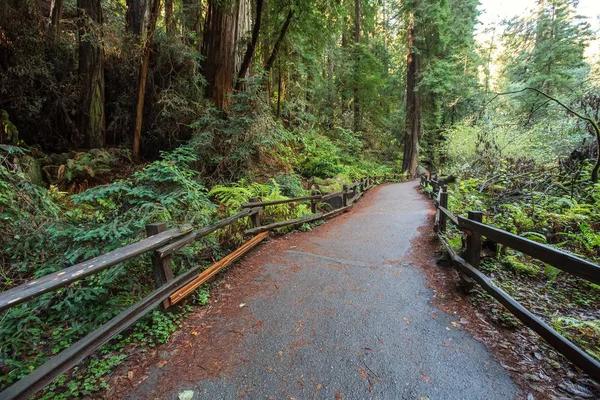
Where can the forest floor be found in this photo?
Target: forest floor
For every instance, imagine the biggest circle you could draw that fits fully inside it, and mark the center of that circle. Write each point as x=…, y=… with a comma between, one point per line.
x=343, y=311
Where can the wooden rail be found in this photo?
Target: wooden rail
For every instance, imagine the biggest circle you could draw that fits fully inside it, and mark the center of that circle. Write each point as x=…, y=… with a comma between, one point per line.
x=64, y=277
x=162, y=244
x=468, y=265
x=276, y=202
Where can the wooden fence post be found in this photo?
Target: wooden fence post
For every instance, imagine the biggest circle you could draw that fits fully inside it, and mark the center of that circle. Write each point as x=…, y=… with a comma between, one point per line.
x=473, y=251
x=443, y=203
x=344, y=195
x=313, y=202
x=162, y=270
x=255, y=218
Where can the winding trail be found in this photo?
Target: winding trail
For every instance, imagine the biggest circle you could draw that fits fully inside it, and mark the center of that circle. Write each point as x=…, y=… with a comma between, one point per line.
x=340, y=312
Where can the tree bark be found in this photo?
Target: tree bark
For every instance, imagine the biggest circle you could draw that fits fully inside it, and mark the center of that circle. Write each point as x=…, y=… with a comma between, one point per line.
x=280, y=87
x=137, y=16
x=413, y=105
x=242, y=28
x=218, y=49
x=55, y=20
x=356, y=65
x=169, y=21
x=137, y=134
x=251, y=46
x=284, y=28
x=91, y=71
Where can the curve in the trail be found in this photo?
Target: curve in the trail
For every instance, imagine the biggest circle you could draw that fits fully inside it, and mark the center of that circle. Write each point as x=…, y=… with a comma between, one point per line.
x=336, y=313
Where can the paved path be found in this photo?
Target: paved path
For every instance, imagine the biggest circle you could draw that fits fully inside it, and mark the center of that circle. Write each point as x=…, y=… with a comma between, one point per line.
x=345, y=316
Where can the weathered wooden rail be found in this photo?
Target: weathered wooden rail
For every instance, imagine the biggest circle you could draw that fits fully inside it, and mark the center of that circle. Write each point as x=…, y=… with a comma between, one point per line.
x=468, y=264
x=162, y=243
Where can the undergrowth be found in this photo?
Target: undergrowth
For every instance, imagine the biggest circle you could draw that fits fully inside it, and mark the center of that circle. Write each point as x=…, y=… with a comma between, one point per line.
x=47, y=229
x=561, y=210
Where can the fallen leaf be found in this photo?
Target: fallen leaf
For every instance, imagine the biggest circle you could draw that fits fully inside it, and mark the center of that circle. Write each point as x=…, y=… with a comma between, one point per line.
x=319, y=386
x=194, y=333
x=130, y=375
x=242, y=305
x=186, y=395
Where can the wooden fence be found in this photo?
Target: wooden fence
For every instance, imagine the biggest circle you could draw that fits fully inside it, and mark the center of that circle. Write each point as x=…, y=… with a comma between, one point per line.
x=468, y=263
x=162, y=243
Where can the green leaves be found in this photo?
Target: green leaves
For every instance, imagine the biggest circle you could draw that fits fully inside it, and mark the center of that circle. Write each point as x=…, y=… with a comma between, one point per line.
x=83, y=226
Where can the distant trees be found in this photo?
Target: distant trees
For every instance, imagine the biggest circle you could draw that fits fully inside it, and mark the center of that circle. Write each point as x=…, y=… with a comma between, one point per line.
x=545, y=50
x=441, y=75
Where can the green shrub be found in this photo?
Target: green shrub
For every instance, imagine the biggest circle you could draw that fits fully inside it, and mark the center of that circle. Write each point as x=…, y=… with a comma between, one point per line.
x=48, y=231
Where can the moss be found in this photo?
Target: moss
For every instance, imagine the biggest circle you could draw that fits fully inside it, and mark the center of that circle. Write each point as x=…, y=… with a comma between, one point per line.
x=521, y=267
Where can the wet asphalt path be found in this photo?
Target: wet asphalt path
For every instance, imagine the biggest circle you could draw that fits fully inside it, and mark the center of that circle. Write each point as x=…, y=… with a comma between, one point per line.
x=350, y=319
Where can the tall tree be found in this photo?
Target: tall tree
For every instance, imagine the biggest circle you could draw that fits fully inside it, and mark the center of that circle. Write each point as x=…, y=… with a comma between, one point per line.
x=56, y=14
x=91, y=71
x=251, y=46
x=169, y=20
x=218, y=49
x=139, y=115
x=356, y=65
x=545, y=50
x=413, y=102
x=137, y=16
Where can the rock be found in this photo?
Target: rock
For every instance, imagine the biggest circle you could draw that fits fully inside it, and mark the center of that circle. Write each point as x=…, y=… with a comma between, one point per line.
x=186, y=395
x=32, y=168
x=421, y=170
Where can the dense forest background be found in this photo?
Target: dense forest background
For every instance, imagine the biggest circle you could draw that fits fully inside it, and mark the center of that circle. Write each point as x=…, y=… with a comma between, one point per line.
x=117, y=113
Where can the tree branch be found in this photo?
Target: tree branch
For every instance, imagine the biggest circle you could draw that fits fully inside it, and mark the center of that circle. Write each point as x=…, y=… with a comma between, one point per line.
x=284, y=29
x=251, y=46
x=594, y=124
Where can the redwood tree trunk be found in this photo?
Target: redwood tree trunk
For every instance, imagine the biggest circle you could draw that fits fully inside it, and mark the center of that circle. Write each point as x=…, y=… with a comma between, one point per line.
x=218, y=49
x=139, y=115
x=413, y=105
x=169, y=21
x=251, y=46
x=138, y=16
x=91, y=71
x=56, y=15
x=356, y=65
